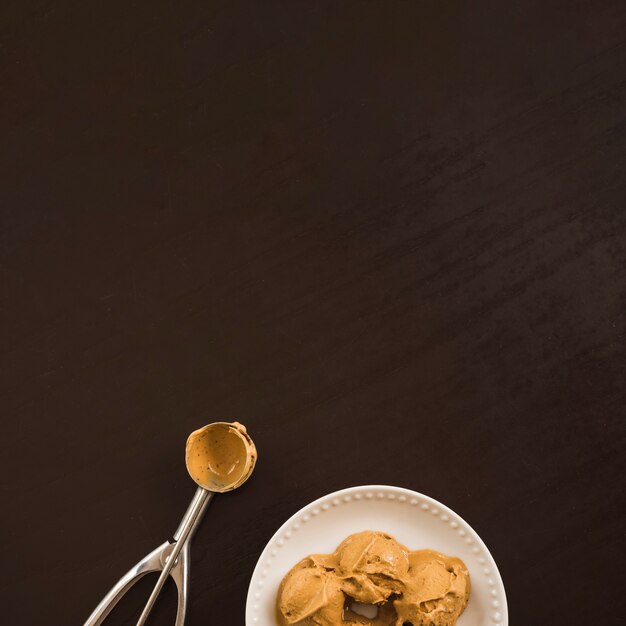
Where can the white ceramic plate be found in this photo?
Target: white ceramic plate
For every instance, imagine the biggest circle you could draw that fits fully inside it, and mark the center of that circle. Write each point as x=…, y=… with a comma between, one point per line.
x=415, y=520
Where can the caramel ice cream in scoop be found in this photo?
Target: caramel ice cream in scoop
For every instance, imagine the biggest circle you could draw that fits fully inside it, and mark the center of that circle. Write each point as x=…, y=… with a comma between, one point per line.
x=422, y=588
x=220, y=456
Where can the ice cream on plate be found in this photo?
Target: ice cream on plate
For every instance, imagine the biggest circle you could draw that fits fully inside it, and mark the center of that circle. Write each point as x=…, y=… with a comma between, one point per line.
x=371, y=566
x=420, y=588
x=436, y=590
x=311, y=594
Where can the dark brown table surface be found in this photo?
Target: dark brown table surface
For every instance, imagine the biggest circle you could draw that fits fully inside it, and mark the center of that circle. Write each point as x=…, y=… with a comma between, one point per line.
x=387, y=236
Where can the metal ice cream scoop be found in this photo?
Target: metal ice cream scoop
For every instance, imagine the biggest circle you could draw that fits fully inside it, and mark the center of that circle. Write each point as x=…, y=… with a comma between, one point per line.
x=220, y=457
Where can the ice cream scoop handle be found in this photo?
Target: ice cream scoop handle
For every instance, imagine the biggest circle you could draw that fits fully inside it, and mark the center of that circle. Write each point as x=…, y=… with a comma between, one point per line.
x=191, y=519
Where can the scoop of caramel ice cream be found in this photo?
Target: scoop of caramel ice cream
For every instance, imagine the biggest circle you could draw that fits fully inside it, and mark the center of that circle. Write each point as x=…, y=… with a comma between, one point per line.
x=422, y=588
x=436, y=590
x=371, y=566
x=310, y=595
x=220, y=456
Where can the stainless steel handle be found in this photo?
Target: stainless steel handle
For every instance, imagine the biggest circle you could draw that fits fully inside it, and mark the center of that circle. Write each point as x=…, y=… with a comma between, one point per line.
x=169, y=558
x=153, y=562
x=190, y=521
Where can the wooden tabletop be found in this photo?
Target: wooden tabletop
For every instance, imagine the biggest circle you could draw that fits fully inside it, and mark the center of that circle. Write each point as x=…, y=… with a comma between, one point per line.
x=389, y=237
